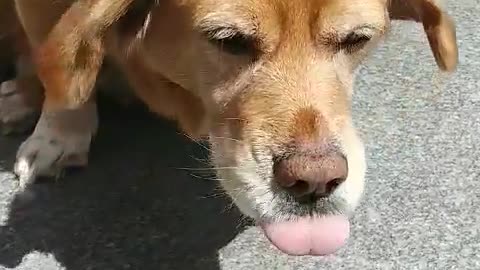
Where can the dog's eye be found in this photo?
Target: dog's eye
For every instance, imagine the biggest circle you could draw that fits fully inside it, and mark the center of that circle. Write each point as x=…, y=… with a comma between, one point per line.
x=354, y=41
x=232, y=42
x=237, y=45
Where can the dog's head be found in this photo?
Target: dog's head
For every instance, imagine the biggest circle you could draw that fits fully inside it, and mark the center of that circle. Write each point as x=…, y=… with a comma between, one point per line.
x=276, y=78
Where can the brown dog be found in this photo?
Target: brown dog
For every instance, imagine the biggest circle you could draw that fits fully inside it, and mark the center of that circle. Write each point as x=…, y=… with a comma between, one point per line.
x=21, y=94
x=269, y=82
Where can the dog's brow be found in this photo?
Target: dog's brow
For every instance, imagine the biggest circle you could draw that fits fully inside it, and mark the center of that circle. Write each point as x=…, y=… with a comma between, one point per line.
x=365, y=28
x=337, y=34
x=378, y=27
x=224, y=21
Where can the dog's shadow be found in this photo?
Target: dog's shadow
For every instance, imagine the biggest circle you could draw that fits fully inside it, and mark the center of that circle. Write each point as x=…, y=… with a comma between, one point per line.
x=132, y=208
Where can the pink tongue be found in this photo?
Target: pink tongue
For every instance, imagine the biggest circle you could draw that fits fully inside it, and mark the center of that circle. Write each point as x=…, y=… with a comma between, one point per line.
x=309, y=236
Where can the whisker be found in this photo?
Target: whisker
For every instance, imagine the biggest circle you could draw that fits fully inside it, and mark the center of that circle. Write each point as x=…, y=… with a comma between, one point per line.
x=215, y=179
x=242, y=222
x=195, y=141
x=228, y=207
x=228, y=138
x=214, y=196
x=204, y=161
x=208, y=169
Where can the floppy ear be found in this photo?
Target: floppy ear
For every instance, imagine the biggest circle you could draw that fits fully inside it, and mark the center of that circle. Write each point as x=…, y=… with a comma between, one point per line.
x=70, y=59
x=438, y=25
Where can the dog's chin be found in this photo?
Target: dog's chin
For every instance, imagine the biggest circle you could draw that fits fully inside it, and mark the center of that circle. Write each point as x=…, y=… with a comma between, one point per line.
x=293, y=228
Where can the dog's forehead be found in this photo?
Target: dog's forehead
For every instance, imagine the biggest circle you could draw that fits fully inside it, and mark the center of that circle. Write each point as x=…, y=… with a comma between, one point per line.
x=273, y=12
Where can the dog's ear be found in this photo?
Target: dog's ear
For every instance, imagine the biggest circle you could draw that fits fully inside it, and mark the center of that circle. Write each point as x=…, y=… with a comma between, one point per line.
x=70, y=59
x=438, y=25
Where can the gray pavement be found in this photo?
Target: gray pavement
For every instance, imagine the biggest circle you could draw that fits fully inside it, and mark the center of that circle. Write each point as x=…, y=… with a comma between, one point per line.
x=132, y=209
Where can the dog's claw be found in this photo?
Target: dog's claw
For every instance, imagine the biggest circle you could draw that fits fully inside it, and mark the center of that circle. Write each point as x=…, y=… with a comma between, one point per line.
x=24, y=172
x=45, y=156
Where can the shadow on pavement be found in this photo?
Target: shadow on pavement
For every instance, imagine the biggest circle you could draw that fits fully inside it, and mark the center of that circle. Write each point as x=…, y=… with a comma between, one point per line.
x=131, y=209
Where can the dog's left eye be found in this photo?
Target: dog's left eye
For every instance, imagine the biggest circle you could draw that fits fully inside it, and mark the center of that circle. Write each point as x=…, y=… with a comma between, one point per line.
x=232, y=41
x=354, y=41
x=237, y=45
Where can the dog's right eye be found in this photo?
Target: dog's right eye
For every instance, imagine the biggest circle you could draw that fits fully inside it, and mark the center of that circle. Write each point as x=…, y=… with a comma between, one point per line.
x=232, y=42
x=354, y=41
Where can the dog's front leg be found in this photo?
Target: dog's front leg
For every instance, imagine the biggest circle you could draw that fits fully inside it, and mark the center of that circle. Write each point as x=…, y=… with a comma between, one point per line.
x=20, y=102
x=68, y=42
x=20, y=98
x=61, y=139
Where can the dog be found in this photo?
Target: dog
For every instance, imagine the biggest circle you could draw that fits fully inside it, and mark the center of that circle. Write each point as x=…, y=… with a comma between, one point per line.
x=268, y=83
x=21, y=93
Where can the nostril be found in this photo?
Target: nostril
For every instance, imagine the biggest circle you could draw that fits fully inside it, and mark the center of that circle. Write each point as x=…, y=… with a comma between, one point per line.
x=300, y=188
x=333, y=184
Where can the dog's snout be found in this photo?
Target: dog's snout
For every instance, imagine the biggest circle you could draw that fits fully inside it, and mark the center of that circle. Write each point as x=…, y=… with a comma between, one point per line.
x=311, y=176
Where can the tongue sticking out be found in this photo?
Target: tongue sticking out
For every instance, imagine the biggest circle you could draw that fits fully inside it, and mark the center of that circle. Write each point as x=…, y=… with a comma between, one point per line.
x=309, y=236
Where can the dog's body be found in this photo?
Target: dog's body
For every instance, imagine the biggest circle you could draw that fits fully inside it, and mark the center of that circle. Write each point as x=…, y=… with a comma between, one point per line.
x=269, y=83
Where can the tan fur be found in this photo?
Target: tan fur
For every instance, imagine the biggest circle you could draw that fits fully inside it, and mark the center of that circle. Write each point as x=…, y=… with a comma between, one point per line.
x=292, y=90
x=15, y=52
x=72, y=51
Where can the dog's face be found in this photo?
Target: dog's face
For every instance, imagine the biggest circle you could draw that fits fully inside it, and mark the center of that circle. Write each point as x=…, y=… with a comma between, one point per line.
x=276, y=78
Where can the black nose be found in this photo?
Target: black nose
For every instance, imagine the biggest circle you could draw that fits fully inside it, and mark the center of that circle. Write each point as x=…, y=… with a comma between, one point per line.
x=311, y=176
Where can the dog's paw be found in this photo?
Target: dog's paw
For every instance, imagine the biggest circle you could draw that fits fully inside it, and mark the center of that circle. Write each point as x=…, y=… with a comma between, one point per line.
x=45, y=154
x=15, y=115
